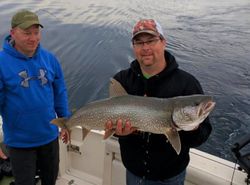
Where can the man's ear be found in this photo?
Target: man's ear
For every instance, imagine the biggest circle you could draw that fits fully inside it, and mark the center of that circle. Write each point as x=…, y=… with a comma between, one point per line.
x=12, y=30
x=164, y=41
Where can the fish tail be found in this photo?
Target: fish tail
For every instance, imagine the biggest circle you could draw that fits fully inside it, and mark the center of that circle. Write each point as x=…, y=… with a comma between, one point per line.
x=60, y=122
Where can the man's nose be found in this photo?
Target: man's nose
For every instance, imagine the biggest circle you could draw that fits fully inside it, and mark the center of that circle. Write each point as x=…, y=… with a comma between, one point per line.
x=33, y=37
x=145, y=45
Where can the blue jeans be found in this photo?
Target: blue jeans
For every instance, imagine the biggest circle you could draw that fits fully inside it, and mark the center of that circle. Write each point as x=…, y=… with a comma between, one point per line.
x=132, y=179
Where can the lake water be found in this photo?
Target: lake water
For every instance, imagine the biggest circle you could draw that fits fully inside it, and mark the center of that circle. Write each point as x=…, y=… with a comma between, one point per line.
x=210, y=39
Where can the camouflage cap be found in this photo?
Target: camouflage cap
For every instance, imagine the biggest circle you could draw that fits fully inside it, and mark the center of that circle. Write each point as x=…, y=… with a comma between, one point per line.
x=24, y=19
x=149, y=26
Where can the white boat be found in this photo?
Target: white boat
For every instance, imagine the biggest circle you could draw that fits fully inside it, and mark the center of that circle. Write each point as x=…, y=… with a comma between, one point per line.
x=95, y=161
x=98, y=162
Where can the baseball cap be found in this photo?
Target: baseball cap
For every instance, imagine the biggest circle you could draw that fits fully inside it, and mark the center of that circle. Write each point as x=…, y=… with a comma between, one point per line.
x=24, y=19
x=149, y=26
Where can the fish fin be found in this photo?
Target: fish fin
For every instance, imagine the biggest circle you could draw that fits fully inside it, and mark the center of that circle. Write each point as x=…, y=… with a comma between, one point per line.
x=84, y=132
x=116, y=89
x=60, y=122
x=108, y=133
x=174, y=139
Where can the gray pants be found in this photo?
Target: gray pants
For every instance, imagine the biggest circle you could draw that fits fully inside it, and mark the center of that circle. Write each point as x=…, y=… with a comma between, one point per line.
x=26, y=161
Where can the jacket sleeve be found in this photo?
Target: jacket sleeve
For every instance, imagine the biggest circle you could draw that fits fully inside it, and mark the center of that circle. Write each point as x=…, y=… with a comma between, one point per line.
x=1, y=94
x=196, y=137
x=60, y=93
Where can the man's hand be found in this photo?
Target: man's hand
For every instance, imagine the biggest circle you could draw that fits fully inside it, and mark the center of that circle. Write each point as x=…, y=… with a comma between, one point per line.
x=2, y=155
x=65, y=135
x=120, y=130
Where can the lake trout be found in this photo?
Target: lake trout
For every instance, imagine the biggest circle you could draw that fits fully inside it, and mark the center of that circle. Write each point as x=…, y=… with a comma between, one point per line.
x=148, y=114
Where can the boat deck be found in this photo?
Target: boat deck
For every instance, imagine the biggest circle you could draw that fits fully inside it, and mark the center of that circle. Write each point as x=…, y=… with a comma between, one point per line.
x=97, y=162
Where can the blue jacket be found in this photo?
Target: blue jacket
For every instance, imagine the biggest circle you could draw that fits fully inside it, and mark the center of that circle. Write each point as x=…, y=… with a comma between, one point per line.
x=32, y=93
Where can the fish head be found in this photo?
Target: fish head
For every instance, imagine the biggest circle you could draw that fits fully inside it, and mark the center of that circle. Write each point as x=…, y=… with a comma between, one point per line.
x=190, y=111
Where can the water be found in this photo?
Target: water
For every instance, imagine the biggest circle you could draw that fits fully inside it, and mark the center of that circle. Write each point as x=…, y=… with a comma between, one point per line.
x=210, y=39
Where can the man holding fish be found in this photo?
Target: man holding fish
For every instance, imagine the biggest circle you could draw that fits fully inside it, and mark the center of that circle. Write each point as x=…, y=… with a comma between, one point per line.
x=149, y=158
x=157, y=110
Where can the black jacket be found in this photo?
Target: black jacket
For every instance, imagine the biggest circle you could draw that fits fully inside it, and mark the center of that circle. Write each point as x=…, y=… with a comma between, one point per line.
x=150, y=155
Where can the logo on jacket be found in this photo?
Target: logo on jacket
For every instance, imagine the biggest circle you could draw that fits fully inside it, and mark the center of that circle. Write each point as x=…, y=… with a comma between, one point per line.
x=26, y=78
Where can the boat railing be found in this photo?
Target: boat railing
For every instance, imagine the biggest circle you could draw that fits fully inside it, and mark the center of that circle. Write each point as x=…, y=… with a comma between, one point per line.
x=243, y=156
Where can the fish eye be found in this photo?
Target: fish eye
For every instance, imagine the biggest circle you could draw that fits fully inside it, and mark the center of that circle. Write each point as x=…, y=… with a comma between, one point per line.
x=196, y=103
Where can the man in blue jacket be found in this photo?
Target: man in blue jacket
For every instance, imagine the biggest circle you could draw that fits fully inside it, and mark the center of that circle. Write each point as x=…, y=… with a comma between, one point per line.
x=32, y=93
x=149, y=158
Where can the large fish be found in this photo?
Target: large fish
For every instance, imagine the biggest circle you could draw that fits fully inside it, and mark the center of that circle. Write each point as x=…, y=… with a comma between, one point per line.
x=149, y=114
